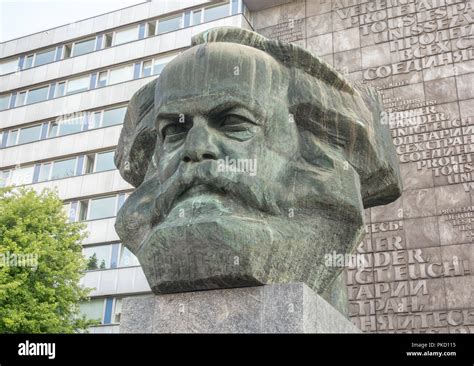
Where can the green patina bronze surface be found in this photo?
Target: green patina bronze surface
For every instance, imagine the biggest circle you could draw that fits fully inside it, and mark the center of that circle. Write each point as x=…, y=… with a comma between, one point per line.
x=253, y=160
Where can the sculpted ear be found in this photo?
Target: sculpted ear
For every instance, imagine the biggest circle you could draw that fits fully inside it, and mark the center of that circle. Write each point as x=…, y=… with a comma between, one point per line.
x=381, y=182
x=138, y=138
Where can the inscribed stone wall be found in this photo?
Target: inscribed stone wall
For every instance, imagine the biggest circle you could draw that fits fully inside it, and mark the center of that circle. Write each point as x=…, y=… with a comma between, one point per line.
x=418, y=273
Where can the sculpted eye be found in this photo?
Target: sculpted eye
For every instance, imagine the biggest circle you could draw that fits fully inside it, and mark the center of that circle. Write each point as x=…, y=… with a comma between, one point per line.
x=173, y=132
x=238, y=124
x=234, y=122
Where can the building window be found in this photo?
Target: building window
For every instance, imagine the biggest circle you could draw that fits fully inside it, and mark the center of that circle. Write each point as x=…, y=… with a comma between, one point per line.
x=104, y=161
x=45, y=57
x=158, y=67
x=28, y=61
x=160, y=63
x=83, y=209
x=101, y=208
x=127, y=258
x=12, y=138
x=53, y=129
x=9, y=66
x=197, y=17
x=37, y=95
x=82, y=47
x=108, y=40
x=4, y=175
x=93, y=309
x=115, y=76
x=20, y=99
x=29, y=134
x=110, y=117
x=117, y=310
x=45, y=171
x=90, y=162
x=67, y=51
x=126, y=35
x=146, y=68
x=66, y=127
x=216, y=12
x=102, y=79
x=21, y=176
x=78, y=85
x=63, y=169
x=150, y=29
x=98, y=257
x=170, y=24
x=61, y=87
x=235, y=6
x=4, y=101
x=120, y=74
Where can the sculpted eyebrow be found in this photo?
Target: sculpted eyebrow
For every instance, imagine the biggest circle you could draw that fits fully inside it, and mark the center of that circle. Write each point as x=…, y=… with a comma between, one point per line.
x=231, y=105
x=172, y=112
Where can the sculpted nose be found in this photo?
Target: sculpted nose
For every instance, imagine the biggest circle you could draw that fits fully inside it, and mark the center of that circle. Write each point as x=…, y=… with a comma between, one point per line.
x=199, y=145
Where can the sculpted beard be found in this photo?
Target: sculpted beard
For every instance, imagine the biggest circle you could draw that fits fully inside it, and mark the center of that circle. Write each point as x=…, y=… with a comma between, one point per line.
x=253, y=193
x=255, y=196
x=249, y=191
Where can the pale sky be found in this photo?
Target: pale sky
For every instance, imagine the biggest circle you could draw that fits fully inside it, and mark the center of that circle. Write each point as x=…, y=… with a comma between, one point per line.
x=21, y=17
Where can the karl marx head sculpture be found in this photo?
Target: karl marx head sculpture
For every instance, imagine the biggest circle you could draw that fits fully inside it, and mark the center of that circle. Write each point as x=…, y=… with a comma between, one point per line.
x=251, y=159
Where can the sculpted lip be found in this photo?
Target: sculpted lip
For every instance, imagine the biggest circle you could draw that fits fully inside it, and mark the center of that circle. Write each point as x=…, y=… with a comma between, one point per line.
x=197, y=190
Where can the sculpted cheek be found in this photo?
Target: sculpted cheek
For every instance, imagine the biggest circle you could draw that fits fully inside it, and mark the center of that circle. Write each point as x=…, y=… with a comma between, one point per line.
x=133, y=219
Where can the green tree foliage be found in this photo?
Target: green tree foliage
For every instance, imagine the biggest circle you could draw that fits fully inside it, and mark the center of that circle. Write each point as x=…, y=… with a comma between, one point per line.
x=40, y=265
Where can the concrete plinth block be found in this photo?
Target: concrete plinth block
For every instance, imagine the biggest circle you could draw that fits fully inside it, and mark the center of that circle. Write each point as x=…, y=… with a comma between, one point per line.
x=282, y=308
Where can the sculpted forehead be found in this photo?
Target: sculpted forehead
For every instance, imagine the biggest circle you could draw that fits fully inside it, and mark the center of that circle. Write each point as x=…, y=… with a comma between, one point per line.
x=221, y=69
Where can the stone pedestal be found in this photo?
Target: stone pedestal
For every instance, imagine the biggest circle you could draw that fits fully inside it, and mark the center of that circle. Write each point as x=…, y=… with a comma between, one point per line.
x=282, y=308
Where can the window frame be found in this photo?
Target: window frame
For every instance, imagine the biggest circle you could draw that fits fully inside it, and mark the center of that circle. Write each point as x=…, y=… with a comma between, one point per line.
x=101, y=112
x=73, y=45
x=114, y=35
x=147, y=28
x=61, y=85
x=8, y=173
x=40, y=125
x=106, y=72
x=104, y=305
x=166, y=59
x=22, y=183
x=94, y=170
x=9, y=97
x=109, y=71
x=17, y=59
x=53, y=49
x=201, y=17
x=114, y=310
x=228, y=2
x=142, y=68
x=16, y=137
x=120, y=252
x=173, y=16
x=89, y=206
x=33, y=60
x=54, y=162
x=109, y=259
x=59, y=124
x=75, y=78
x=27, y=94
